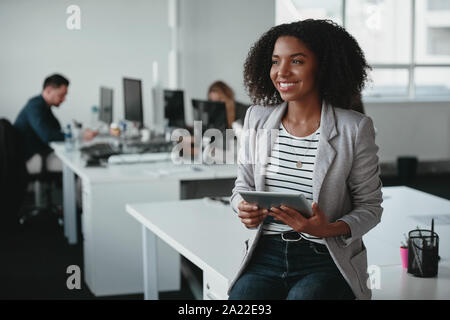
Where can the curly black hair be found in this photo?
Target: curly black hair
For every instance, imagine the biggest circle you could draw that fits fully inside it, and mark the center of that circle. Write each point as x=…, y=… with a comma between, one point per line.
x=342, y=67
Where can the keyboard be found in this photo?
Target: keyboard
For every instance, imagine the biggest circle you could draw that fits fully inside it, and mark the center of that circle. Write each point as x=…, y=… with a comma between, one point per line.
x=139, y=158
x=100, y=150
x=173, y=170
x=146, y=147
x=135, y=152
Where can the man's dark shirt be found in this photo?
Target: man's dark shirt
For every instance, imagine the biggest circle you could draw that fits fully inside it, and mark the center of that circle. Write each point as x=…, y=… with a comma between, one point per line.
x=37, y=126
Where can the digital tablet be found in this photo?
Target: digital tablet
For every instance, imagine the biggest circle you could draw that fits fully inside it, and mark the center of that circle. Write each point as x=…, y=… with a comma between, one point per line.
x=266, y=200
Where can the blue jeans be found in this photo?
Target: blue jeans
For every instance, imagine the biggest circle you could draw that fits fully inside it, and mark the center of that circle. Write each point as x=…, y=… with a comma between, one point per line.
x=301, y=270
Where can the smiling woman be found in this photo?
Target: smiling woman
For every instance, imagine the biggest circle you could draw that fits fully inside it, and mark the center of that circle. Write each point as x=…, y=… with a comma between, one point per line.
x=304, y=76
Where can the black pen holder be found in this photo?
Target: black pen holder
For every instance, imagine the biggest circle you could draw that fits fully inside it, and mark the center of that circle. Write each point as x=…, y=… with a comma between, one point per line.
x=423, y=253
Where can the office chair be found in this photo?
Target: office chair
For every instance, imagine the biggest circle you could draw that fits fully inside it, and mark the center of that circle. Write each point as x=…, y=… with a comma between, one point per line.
x=407, y=169
x=357, y=104
x=41, y=175
x=13, y=177
x=241, y=110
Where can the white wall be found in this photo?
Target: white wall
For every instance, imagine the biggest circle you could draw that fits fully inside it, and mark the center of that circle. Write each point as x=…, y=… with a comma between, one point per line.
x=215, y=37
x=117, y=38
x=419, y=129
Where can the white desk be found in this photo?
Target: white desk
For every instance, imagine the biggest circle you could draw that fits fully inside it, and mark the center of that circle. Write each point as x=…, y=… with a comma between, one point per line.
x=112, y=243
x=209, y=234
x=401, y=205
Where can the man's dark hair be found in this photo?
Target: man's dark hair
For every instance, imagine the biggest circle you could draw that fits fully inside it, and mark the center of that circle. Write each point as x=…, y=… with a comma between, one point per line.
x=342, y=67
x=55, y=80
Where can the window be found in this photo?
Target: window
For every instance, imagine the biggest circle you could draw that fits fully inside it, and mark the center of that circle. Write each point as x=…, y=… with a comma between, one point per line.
x=438, y=41
x=432, y=82
x=407, y=42
x=294, y=10
x=387, y=83
x=380, y=28
x=435, y=5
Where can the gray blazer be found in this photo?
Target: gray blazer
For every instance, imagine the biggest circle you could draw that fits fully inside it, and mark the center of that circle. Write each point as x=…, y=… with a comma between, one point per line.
x=346, y=182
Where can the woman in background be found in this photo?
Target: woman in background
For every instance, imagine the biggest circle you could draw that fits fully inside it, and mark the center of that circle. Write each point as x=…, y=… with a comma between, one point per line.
x=220, y=91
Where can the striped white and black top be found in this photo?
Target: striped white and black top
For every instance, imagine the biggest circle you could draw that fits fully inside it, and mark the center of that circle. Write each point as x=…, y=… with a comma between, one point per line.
x=283, y=175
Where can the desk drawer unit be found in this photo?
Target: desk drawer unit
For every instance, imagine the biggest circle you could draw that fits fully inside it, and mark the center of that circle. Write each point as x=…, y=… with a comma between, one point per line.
x=86, y=222
x=86, y=212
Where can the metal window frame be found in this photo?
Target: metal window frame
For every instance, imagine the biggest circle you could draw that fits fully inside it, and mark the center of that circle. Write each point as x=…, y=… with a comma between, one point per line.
x=411, y=84
x=411, y=67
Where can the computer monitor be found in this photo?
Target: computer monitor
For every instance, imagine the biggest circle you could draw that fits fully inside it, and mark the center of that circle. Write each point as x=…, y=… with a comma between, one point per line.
x=212, y=114
x=132, y=95
x=174, y=108
x=106, y=105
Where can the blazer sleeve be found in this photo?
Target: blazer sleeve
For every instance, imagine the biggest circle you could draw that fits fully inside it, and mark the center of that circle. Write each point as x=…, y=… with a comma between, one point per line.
x=245, y=176
x=364, y=184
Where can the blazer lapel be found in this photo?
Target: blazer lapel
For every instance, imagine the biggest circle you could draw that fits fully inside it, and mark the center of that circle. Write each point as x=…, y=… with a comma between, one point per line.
x=265, y=139
x=325, y=153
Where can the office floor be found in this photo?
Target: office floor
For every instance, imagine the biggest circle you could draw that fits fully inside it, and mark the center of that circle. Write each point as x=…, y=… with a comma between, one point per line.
x=34, y=261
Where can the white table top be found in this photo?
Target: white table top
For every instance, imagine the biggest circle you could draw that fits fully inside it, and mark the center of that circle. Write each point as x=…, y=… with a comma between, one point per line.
x=141, y=171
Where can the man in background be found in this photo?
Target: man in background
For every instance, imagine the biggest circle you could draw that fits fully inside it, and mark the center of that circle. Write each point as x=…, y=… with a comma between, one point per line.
x=36, y=123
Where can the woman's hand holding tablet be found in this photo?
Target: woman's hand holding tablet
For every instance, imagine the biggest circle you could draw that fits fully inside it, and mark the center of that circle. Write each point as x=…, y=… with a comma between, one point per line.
x=292, y=209
x=251, y=215
x=267, y=200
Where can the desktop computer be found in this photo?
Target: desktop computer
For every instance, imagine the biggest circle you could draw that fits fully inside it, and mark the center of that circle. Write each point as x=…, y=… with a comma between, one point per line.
x=132, y=94
x=125, y=148
x=106, y=105
x=174, y=108
x=212, y=114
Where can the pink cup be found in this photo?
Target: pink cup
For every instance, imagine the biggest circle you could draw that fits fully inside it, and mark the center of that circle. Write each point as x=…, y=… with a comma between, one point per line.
x=404, y=256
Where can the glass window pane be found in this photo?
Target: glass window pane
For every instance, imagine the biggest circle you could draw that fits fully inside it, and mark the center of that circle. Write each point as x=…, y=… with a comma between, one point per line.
x=432, y=31
x=438, y=5
x=294, y=10
x=382, y=29
x=387, y=83
x=432, y=82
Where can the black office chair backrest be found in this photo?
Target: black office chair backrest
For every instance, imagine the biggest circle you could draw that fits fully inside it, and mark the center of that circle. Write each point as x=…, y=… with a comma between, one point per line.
x=8, y=148
x=241, y=110
x=357, y=104
x=13, y=174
